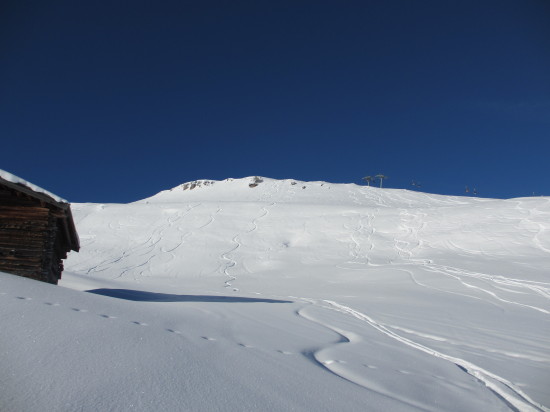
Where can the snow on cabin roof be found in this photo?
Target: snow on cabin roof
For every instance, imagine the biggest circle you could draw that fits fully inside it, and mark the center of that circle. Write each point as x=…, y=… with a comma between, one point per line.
x=17, y=180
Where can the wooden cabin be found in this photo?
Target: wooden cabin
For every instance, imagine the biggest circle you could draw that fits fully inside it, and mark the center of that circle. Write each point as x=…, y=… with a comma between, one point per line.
x=36, y=230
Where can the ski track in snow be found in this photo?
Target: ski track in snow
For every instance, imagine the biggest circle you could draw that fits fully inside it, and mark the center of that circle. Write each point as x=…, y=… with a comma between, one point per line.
x=335, y=366
x=467, y=345
x=502, y=388
x=144, y=248
x=456, y=273
x=231, y=262
x=542, y=289
x=541, y=228
x=186, y=234
x=158, y=236
x=405, y=245
x=362, y=243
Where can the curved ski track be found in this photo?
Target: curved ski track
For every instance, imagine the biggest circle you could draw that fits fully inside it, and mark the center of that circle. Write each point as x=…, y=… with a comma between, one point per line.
x=405, y=245
x=144, y=248
x=502, y=387
x=230, y=278
x=505, y=390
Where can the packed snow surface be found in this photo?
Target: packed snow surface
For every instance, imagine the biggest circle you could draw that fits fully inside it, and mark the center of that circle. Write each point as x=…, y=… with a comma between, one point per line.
x=279, y=295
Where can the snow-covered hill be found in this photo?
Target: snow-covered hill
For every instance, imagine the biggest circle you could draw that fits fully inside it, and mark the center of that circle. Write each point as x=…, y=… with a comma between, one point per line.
x=261, y=294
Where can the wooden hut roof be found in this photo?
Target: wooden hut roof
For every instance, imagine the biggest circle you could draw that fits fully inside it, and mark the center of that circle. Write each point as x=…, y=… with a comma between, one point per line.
x=59, y=206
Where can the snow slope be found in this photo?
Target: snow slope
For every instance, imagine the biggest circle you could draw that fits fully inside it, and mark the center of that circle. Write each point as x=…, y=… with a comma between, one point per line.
x=289, y=295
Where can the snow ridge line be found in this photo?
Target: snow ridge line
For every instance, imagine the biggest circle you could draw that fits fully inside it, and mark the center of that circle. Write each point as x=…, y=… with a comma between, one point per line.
x=522, y=402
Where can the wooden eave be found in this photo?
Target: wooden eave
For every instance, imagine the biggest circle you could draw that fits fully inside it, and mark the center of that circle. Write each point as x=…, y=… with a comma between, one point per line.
x=65, y=216
x=42, y=197
x=70, y=229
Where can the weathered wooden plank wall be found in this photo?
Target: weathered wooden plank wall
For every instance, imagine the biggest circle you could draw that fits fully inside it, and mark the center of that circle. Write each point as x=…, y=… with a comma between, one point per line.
x=36, y=232
x=23, y=236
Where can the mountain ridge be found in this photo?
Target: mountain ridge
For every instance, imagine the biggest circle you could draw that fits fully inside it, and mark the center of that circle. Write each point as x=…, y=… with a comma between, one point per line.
x=263, y=189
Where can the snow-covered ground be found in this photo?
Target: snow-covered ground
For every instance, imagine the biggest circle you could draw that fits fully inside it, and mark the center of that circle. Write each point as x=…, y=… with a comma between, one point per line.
x=288, y=296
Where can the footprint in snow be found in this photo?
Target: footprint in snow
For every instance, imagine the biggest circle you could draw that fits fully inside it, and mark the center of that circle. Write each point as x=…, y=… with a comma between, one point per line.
x=135, y=322
x=370, y=366
x=244, y=345
x=284, y=352
x=51, y=303
x=23, y=298
x=207, y=338
x=177, y=332
x=79, y=310
x=108, y=316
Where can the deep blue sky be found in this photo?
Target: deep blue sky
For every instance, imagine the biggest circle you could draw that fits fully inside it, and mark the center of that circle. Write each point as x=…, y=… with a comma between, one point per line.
x=111, y=101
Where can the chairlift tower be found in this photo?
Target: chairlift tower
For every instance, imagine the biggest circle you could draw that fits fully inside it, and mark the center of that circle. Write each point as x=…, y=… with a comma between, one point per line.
x=381, y=178
x=368, y=179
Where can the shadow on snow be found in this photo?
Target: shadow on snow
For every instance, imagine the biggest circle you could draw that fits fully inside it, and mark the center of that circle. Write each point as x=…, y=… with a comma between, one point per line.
x=141, y=296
